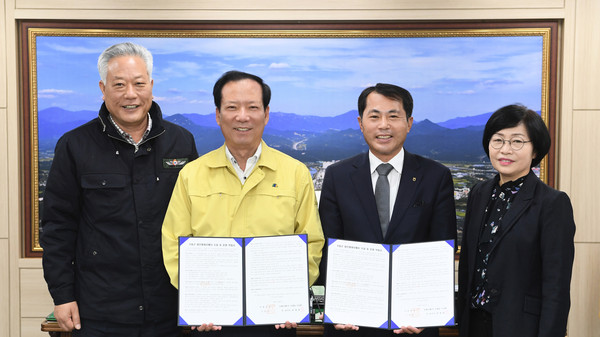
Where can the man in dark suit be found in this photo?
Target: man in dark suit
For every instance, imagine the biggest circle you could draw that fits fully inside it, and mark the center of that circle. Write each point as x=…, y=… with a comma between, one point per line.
x=414, y=204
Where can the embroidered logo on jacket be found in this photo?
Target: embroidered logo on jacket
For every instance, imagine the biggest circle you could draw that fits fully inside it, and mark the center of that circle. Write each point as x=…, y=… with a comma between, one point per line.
x=174, y=163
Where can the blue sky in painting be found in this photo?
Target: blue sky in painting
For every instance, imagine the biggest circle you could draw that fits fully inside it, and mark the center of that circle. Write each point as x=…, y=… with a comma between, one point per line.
x=448, y=77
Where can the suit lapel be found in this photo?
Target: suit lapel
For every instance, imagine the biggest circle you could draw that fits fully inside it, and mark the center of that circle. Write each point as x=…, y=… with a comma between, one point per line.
x=521, y=202
x=410, y=179
x=361, y=179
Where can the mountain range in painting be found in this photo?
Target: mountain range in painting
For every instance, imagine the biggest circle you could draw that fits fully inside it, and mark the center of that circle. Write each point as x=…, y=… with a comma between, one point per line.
x=307, y=138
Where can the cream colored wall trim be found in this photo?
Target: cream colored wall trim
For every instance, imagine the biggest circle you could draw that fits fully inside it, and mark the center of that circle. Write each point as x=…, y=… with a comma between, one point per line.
x=586, y=180
x=587, y=46
x=4, y=293
x=578, y=108
x=585, y=291
x=12, y=144
x=331, y=5
x=35, y=300
x=278, y=15
x=3, y=176
x=3, y=140
x=2, y=59
x=30, y=327
x=30, y=263
x=564, y=112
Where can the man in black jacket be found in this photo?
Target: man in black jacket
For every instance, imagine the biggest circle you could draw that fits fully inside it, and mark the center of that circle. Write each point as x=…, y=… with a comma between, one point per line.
x=106, y=196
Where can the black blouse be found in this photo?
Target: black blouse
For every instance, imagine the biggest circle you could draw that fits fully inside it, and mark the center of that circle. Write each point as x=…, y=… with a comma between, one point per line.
x=498, y=205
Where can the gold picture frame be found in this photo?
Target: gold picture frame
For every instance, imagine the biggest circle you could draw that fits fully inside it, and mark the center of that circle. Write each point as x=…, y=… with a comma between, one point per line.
x=31, y=31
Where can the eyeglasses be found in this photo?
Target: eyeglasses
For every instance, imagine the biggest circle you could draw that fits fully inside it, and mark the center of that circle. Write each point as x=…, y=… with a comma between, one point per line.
x=515, y=143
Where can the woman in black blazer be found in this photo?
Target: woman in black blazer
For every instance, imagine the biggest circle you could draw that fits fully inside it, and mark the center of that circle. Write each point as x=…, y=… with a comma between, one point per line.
x=517, y=248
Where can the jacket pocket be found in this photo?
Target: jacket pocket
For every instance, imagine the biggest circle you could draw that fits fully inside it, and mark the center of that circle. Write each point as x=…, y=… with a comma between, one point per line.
x=103, y=180
x=532, y=305
x=106, y=198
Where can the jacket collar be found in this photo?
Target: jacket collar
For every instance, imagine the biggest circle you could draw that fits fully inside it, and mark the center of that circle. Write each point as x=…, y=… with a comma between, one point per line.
x=521, y=202
x=155, y=114
x=267, y=158
x=361, y=179
x=409, y=180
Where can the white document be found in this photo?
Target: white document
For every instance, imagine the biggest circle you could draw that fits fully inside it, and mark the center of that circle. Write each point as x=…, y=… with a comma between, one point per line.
x=389, y=286
x=210, y=281
x=243, y=281
x=423, y=284
x=357, y=284
x=277, y=280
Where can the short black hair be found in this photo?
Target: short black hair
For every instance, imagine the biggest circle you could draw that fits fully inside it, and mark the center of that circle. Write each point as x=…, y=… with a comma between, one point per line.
x=510, y=116
x=233, y=76
x=390, y=91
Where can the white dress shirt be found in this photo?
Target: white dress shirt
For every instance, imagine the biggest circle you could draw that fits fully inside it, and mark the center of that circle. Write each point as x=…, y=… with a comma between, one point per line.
x=250, y=163
x=393, y=177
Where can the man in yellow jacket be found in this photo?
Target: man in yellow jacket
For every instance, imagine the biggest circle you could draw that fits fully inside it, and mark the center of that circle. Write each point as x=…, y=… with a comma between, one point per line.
x=243, y=189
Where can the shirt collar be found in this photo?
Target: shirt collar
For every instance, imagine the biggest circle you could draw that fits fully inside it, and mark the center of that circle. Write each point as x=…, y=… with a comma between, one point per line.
x=511, y=185
x=252, y=160
x=397, y=161
x=127, y=136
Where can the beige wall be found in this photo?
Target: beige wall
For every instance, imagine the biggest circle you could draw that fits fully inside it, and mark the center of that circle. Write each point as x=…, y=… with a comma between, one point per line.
x=581, y=94
x=23, y=288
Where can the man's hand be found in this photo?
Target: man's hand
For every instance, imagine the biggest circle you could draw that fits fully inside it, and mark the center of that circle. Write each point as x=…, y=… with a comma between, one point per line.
x=409, y=330
x=345, y=327
x=206, y=327
x=286, y=325
x=67, y=316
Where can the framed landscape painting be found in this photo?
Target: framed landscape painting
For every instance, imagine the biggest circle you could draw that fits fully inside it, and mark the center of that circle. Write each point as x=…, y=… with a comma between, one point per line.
x=458, y=74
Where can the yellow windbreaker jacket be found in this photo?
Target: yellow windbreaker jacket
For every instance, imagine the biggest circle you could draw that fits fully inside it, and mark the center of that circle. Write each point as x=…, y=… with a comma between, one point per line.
x=278, y=198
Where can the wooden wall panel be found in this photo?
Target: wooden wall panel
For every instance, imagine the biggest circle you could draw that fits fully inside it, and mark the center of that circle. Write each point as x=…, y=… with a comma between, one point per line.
x=10, y=151
x=3, y=175
x=288, y=4
x=565, y=77
x=31, y=327
x=585, y=291
x=28, y=296
x=585, y=180
x=4, y=286
x=587, y=49
x=35, y=298
x=235, y=15
x=2, y=57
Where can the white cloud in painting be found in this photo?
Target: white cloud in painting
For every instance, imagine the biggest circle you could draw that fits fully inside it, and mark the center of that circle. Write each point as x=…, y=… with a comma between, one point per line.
x=74, y=49
x=55, y=91
x=170, y=99
x=494, y=83
x=200, y=101
x=280, y=65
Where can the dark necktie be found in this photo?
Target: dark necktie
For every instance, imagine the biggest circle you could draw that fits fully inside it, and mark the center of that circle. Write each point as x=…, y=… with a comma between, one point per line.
x=382, y=196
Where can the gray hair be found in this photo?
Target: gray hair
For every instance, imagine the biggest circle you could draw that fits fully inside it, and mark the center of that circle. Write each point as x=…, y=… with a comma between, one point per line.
x=123, y=49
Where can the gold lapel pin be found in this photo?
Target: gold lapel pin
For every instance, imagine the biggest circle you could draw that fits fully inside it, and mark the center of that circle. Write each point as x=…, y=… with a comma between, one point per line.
x=414, y=178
